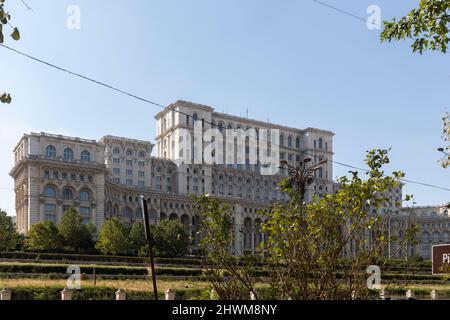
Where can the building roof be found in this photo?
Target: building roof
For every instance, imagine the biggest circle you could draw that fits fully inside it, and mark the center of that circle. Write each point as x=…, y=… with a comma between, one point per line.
x=238, y=118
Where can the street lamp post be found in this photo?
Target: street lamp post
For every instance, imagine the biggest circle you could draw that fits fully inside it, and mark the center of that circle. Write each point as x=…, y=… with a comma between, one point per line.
x=150, y=240
x=302, y=176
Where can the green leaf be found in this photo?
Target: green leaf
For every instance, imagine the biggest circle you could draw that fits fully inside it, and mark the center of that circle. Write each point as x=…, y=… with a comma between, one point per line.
x=15, y=34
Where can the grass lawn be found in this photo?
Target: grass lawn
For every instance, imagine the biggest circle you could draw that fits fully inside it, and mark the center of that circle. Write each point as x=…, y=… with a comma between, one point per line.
x=132, y=285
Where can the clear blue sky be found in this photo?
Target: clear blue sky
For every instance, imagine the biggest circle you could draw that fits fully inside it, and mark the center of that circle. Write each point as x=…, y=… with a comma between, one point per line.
x=293, y=62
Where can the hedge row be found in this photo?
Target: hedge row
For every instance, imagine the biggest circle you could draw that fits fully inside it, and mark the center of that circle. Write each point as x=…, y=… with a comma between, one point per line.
x=95, y=258
x=62, y=269
x=93, y=293
x=14, y=268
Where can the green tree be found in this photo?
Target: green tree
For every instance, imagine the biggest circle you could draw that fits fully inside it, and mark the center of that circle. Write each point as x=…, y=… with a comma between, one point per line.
x=325, y=246
x=315, y=250
x=77, y=237
x=428, y=25
x=230, y=278
x=9, y=238
x=43, y=237
x=5, y=18
x=113, y=238
x=137, y=237
x=171, y=239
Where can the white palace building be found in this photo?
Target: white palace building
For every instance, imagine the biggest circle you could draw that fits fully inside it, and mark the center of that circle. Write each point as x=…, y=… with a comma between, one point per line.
x=105, y=178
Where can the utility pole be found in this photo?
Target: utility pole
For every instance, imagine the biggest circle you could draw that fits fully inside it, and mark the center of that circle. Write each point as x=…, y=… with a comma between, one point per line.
x=150, y=240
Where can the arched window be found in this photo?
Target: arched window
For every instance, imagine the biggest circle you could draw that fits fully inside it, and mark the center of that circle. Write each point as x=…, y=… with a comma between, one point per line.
x=320, y=143
x=85, y=195
x=141, y=154
x=435, y=237
x=281, y=140
x=130, y=153
x=297, y=143
x=220, y=126
x=229, y=126
x=68, y=154
x=68, y=194
x=85, y=156
x=173, y=216
x=50, y=192
x=289, y=141
x=446, y=237
x=162, y=216
x=50, y=152
x=153, y=216
x=320, y=172
x=258, y=233
x=247, y=234
x=116, y=151
x=425, y=245
x=185, y=219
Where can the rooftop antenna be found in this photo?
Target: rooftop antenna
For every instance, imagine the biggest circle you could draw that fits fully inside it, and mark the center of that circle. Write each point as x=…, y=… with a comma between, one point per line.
x=247, y=113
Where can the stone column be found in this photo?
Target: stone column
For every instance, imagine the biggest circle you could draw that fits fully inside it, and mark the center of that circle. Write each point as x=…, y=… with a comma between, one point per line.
x=66, y=294
x=253, y=239
x=121, y=295
x=170, y=294
x=434, y=295
x=5, y=295
x=410, y=294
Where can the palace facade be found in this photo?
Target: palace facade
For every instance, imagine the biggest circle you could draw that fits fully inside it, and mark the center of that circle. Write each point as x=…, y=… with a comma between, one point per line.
x=105, y=178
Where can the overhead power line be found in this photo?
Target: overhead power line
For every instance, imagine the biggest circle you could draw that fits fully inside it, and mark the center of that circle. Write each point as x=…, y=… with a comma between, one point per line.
x=186, y=114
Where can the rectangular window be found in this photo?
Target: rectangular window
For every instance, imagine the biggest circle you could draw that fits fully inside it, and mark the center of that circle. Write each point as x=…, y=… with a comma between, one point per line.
x=65, y=208
x=116, y=161
x=141, y=164
x=129, y=182
x=50, y=212
x=55, y=175
x=64, y=175
x=141, y=184
x=129, y=162
x=116, y=180
x=129, y=172
x=46, y=174
x=116, y=170
x=85, y=212
x=81, y=178
x=141, y=174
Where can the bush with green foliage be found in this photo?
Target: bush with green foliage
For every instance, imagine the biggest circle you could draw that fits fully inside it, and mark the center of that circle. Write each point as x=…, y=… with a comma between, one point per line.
x=113, y=238
x=171, y=239
x=44, y=237
x=9, y=238
x=76, y=236
x=137, y=237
